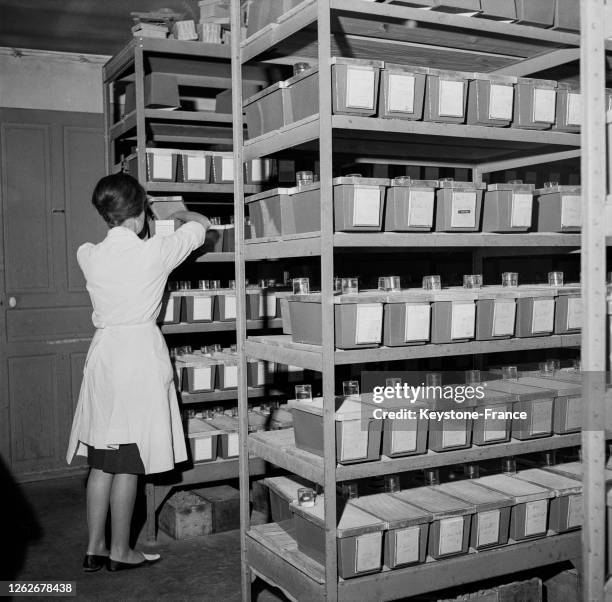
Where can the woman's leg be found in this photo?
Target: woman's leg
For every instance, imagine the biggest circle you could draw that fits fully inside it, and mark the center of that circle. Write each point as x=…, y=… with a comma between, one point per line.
x=123, y=495
x=98, y=496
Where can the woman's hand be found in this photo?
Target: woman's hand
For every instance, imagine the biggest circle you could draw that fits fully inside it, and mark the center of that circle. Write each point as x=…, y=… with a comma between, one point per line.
x=191, y=216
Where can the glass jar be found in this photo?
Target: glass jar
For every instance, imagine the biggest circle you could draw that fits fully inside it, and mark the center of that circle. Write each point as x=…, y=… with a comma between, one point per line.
x=301, y=286
x=303, y=178
x=349, y=285
x=432, y=283
x=555, y=278
x=472, y=281
x=510, y=279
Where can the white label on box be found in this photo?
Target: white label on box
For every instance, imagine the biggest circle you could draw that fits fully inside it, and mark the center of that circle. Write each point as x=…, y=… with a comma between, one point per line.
x=450, y=100
x=169, y=315
x=367, y=552
x=504, y=315
x=488, y=528
x=230, y=376
x=463, y=210
x=495, y=429
x=202, y=308
x=421, y=208
x=267, y=306
x=522, y=206
x=544, y=105
x=407, y=545
x=451, y=535
x=501, y=99
x=574, y=109
x=573, y=413
x=164, y=227
x=196, y=168
x=541, y=416
x=417, y=321
x=368, y=327
x=202, y=448
x=257, y=172
x=227, y=168
x=230, y=307
x=454, y=433
x=574, y=510
x=463, y=317
x=162, y=167
x=232, y=444
x=354, y=443
x=574, y=312
x=543, y=316
x=366, y=206
x=360, y=90
x=202, y=378
x=401, y=92
x=403, y=436
x=261, y=373
x=535, y=517
x=571, y=211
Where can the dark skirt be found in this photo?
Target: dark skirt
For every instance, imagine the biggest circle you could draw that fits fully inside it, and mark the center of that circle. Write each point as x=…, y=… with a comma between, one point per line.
x=124, y=460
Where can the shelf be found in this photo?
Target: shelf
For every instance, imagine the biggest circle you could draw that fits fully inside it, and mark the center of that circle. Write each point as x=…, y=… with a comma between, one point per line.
x=216, y=258
x=281, y=349
x=272, y=554
x=364, y=30
x=185, y=328
x=446, y=142
x=197, y=187
x=229, y=395
x=278, y=448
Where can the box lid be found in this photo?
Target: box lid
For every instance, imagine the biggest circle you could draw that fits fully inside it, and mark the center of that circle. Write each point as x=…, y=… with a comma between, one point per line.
x=359, y=181
x=287, y=487
x=481, y=497
x=455, y=293
x=561, y=388
x=416, y=184
x=340, y=60
x=197, y=428
x=451, y=75
x=573, y=470
x=265, y=194
x=496, y=291
x=393, y=511
x=435, y=501
x=559, y=484
x=455, y=185
x=536, y=291
x=346, y=408
x=194, y=360
x=396, y=67
x=496, y=79
x=562, y=375
x=264, y=92
x=519, y=391
x=514, y=187
x=537, y=83
x=305, y=187
x=520, y=491
x=561, y=189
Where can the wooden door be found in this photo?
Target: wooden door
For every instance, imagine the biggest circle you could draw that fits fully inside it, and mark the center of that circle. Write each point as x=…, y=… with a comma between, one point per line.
x=49, y=163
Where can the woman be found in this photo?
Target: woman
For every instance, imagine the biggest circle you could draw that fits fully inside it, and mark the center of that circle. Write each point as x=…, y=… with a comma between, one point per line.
x=127, y=420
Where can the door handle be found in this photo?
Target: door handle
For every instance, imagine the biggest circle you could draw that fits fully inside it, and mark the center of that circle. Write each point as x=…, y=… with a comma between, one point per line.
x=12, y=302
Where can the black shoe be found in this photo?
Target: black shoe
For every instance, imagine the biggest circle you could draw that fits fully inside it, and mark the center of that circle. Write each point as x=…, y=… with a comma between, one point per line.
x=115, y=565
x=93, y=563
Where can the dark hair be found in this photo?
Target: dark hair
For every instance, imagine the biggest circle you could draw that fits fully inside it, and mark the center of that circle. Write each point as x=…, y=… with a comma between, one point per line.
x=118, y=197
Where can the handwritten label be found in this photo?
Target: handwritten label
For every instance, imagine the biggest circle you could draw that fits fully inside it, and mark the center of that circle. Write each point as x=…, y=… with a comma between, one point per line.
x=230, y=377
x=230, y=307
x=542, y=319
x=202, y=379
x=574, y=313
x=367, y=552
x=535, y=517
x=417, y=322
x=451, y=535
x=354, y=444
x=202, y=448
x=463, y=210
x=407, y=545
x=421, y=208
x=571, y=211
x=368, y=327
x=488, y=528
x=450, y=101
x=573, y=413
x=366, y=206
x=463, y=317
x=227, y=169
x=169, y=315
x=574, y=109
x=401, y=93
x=454, y=433
x=232, y=444
x=522, y=209
x=541, y=416
x=574, y=511
x=202, y=308
x=404, y=437
x=504, y=317
x=196, y=168
x=501, y=99
x=544, y=105
x=162, y=167
x=360, y=88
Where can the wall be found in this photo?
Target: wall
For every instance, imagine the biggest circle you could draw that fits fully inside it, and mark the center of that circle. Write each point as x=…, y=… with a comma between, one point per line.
x=57, y=81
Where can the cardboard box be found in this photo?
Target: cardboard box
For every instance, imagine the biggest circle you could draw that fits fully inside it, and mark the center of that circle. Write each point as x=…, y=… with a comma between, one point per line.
x=569, y=109
x=488, y=430
x=559, y=209
x=508, y=208
x=458, y=206
x=446, y=96
x=194, y=166
x=535, y=311
x=490, y=100
x=263, y=12
x=535, y=104
x=355, y=86
x=402, y=92
x=160, y=92
x=359, y=204
x=409, y=205
x=453, y=315
x=198, y=306
x=407, y=321
x=202, y=438
x=185, y=515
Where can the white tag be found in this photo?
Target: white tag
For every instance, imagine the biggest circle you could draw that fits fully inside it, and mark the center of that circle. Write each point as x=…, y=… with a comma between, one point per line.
x=571, y=211
x=230, y=376
x=257, y=171
x=541, y=416
x=417, y=321
x=504, y=316
x=574, y=510
x=501, y=99
x=267, y=306
x=488, y=528
x=366, y=206
x=454, y=433
x=162, y=167
x=574, y=313
x=574, y=109
x=360, y=88
x=202, y=308
x=463, y=210
x=495, y=429
x=404, y=439
x=535, y=517
x=522, y=204
x=202, y=449
x=450, y=101
x=407, y=545
x=401, y=92
x=367, y=552
x=463, y=317
x=544, y=101
x=230, y=307
x=543, y=316
x=202, y=378
x=573, y=413
x=164, y=227
x=354, y=443
x=196, y=168
x=368, y=327
x=451, y=535
x=169, y=315
x=421, y=208
x=227, y=169
x=261, y=374
x=232, y=444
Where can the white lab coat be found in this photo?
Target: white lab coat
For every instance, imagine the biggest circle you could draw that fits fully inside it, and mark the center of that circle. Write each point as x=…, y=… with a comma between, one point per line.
x=127, y=394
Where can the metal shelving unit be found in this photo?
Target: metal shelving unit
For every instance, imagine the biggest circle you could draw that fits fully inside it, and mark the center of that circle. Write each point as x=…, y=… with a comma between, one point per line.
x=315, y=31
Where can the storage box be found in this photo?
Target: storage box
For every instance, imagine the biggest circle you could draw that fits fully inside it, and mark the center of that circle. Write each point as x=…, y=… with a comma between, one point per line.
x=446, y=96
x=283, y=493
x=194, y=166
x=449, y=434
x=229, y=238
x=170, y=312
x=303, y=210
x=567, y=15
x=529, y=515
x=263, y=12
x=508, y=207
x=402, y=92
x=161, y=165
x=202, y=437
x=216, y=237
x=495, y=313
x=491, y=100
x=491, y=521
x=229, y=444
x=535, y=104
x=268, y=110
x=223, y=168
x=358, y=435
x=449, y=532
x=559, y=208
x=359, y=534
x=359, y=204
x=458, y=206
x=568, y=310
x=260, y=171
x=303, y=94
x=407, y=319
x=198, y=306
x=538, y=13
x=160, y=92
x=227, y=375
x=253, y=302
x=565, y=512
x=410, y=205
x=491, y=427
x=569, y=109
x=355, y=86
x=535, y=311
x=405, y=539
x=198, y=374
x=225, y=305
x=259, y=373
x=500, y=10
x=185, y=515
x=457, y=6
x=453, y=315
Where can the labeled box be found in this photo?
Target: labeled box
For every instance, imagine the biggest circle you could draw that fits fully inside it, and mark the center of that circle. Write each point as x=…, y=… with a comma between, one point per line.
x=359, y=204
x=495, y=313
x=450, y=433
x=170, y=312
x=225, y=305
x=303, y=210
x=537, y=13
x=446, y=96
x=355, y=86
x=490, y=100
x=406, y=320
x=535, y=311
x=283, y=493
x=568, y=310
x=453, y=315
x=194, y=166
x=198, y=306
x=402, y=92
x=161, y=165
x=508, y=207
x=535, y=106
x=228, y=441
x=160, y=92
x=409, y=205
x=559, y=208
x=199, y=374
x=458, y=206
x=569, y=109
x=202, y=437
x=223, y=168
x=492, y=425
